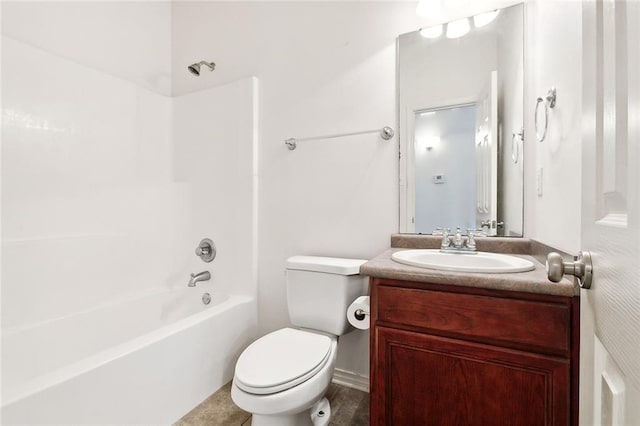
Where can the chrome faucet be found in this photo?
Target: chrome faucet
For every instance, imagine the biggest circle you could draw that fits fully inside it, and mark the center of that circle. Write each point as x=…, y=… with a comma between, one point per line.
x=196, y=278
x=459, y=244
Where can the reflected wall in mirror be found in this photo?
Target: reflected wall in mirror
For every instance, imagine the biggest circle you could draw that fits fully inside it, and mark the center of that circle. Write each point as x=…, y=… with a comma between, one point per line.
x=461, y=117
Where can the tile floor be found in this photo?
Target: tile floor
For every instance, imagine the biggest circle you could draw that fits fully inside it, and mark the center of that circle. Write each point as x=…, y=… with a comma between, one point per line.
x=349, y=407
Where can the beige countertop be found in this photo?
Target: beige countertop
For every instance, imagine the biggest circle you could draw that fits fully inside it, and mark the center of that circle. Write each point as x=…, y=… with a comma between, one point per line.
x=382, y=266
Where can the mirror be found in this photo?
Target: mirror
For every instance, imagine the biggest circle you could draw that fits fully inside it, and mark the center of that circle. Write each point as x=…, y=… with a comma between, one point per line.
x=461, y=121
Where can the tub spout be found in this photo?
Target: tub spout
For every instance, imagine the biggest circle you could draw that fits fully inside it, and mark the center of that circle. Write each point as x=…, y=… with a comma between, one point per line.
x=201, y=276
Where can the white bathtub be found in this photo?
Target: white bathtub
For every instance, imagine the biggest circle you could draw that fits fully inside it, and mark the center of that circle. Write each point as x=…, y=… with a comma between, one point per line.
x=144, y=361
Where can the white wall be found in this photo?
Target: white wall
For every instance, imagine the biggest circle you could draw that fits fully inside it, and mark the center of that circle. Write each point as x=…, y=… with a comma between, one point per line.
x=323, y=68
x=553, y=60
x=127, y=40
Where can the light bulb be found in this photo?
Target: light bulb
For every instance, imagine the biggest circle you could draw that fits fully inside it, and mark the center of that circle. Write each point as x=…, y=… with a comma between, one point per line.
x=457, y=28
x=483, y=19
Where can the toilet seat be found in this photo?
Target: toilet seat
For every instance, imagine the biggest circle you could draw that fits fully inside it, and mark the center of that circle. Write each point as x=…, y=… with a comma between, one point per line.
x=281, y=360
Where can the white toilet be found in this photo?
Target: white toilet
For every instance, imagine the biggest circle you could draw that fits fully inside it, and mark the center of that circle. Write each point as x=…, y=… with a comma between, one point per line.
x=282, y=377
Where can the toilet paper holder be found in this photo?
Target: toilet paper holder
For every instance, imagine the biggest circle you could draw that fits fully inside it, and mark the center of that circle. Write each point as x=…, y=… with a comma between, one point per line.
x=359, y=314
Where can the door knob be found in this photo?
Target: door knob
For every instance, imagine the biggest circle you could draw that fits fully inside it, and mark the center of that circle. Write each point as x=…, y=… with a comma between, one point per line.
x=582, y=268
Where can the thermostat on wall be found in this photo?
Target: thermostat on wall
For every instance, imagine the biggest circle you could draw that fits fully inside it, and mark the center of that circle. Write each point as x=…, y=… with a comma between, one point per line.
x=438, y=178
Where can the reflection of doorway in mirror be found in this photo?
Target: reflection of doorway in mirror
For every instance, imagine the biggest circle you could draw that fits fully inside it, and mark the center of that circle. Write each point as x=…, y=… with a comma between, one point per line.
x=486, y=137
x=445, y=168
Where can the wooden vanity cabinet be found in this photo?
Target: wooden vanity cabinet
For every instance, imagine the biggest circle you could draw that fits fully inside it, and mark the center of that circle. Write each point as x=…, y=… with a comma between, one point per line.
x=452, y=355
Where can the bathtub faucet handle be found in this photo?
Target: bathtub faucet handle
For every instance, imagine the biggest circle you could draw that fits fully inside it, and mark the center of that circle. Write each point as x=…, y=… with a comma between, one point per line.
x=196, y=278
x=206, y=250
x=203, y=251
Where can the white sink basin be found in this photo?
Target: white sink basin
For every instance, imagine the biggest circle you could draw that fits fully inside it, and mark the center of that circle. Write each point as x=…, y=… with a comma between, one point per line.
x=463, y=262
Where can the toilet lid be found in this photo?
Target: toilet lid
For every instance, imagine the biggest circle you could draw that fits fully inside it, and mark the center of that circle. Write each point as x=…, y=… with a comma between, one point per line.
x=281, y=360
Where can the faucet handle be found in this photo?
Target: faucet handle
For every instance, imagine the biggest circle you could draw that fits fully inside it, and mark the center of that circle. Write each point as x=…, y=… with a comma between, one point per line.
x=477, y=232
x=206, y=250
x=471, y=234
x=440, y=231
x=445, y=236
x=471, y=241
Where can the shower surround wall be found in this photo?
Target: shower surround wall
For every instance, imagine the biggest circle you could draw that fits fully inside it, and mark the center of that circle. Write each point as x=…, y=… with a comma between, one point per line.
x=108, y=185
x=86, y=184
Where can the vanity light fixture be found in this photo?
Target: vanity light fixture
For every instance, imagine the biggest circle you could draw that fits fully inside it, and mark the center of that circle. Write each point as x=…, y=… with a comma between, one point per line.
x=454, y=29
x=483, y=19
x=458, y=28
x=431, y=32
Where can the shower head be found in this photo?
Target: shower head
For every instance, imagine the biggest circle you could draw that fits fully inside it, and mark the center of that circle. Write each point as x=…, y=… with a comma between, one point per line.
x=195, y=68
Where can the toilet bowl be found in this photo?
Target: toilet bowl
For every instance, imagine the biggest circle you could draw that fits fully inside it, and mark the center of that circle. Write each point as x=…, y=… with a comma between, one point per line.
x=282, y=377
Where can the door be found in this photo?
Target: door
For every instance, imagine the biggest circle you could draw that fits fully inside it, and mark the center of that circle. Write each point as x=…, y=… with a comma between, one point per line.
x=487, y=156
x=610, y=310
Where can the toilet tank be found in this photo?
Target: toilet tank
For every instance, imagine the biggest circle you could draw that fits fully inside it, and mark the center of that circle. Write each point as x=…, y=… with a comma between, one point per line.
x=319, y=290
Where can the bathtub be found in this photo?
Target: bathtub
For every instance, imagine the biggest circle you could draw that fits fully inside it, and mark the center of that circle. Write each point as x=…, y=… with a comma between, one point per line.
x=148, y=360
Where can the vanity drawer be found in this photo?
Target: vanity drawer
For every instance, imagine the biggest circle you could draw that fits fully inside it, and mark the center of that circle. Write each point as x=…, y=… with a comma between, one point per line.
x=542, y=327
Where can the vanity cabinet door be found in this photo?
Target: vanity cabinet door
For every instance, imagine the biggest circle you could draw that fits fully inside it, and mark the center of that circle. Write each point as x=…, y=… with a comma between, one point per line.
x=421, y=379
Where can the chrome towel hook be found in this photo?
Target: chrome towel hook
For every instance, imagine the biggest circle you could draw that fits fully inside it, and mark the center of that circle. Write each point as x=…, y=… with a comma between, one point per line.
x=549, y=102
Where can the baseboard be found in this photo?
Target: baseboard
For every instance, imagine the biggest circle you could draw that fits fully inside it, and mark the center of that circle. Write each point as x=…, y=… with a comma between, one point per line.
x=351, y=380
